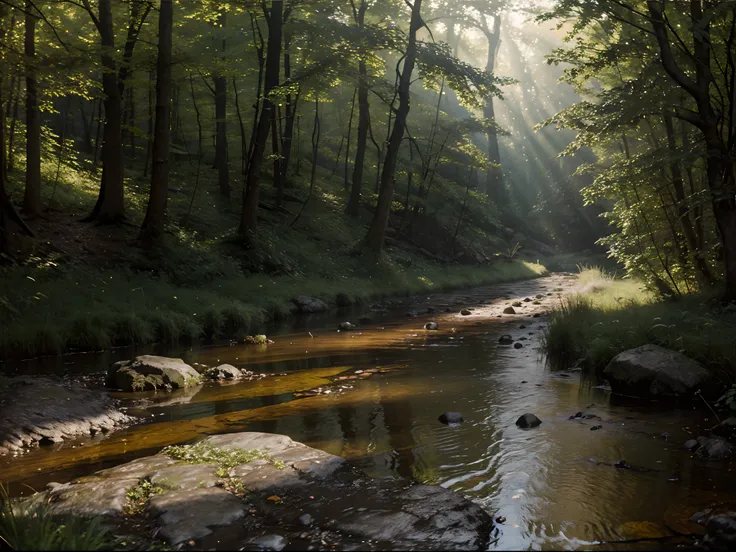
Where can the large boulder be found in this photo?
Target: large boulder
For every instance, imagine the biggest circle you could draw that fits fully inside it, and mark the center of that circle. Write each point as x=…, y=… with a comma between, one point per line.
x=652, y=370
x=148, y=373
x=249, y=485
x=307, y=304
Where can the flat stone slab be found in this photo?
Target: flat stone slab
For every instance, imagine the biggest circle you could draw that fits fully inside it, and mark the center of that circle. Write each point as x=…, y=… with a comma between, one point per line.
x=267, y=495
x=48, y=410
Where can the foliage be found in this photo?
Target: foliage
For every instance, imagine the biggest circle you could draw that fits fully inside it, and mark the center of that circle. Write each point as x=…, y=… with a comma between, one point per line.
x=138, y=496
x=202, y=453
x=25, y=526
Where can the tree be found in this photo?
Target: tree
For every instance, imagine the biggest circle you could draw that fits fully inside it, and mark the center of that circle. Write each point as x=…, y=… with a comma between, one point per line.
x=376, y=233
x=251, y=191
x=153, y=224
x=221, y=156
x=32, y=197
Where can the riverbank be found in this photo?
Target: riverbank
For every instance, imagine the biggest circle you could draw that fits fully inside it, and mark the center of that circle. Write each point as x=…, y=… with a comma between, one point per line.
x=609, y=316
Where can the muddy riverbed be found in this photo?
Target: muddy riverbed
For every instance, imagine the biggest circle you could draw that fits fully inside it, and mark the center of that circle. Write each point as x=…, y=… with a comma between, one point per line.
x=555, y=485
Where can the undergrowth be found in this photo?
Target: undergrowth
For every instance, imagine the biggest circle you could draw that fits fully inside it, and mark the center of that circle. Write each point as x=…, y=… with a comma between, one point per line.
x=202, y=453
x=609, y=316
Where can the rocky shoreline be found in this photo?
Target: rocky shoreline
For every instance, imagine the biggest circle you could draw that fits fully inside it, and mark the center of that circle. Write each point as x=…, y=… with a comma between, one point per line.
x=258, y=491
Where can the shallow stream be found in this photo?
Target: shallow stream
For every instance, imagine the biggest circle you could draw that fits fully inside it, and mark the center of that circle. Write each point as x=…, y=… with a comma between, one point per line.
x=556, y=485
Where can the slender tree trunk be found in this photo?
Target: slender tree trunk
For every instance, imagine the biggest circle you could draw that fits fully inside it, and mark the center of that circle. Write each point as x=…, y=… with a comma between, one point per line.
x=494, y=183
x=153, y=224
x=315, y=151
x=32, y=197
x=347, y=147
x=291, y=106
x=13, y=123
x=243, y=141
x=251, y=192
x=377, y=231
x=9, y=218
x=110, y=206
x=149, y=141
x=337, y=156
x=199, y=147
x=278, y=181
x=98, y=132
x=221, y=162
x=86, y=125
x=701, y=267
x=353, y=207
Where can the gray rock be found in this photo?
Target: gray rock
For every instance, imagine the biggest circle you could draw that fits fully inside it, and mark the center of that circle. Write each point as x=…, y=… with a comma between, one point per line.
x=431, y=326
x=268, y=542
x=509, y=310
x=91, y=496
x=656, y=371
x=505, y=340
x=518, y=345
x=150, y=372
x=721, y=532
x=528, y=421
x=224, y=371
x=186, y=476
x=714, y=447
x=466, y=312
x=308, y=304
x=345, y=327
x=191, y=514
x=691, y=445
x=48, y=410
x=451, y=418
x=306, y=519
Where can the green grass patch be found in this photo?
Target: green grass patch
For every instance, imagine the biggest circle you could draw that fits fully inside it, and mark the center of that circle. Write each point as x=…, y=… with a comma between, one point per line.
x=609, y=316
x=25, y=526
x=136, y=498
x=202, y=453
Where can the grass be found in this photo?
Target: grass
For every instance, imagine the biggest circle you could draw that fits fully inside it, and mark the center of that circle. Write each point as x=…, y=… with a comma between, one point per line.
x=87, y=288
x=202, y=453
x=32, y=527
x=138, y=496
x=611, y=315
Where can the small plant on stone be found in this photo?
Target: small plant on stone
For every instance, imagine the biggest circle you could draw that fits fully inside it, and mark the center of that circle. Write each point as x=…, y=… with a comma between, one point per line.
x=516, y=304
x=256, y=340
x=202, y=453
x=137, y=497
x=232, y=485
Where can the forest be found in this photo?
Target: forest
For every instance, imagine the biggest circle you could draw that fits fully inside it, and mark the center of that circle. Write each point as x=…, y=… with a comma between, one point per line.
x=322, y=214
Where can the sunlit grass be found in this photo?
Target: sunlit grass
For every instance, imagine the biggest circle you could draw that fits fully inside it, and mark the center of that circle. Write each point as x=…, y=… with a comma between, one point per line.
x=609, y=316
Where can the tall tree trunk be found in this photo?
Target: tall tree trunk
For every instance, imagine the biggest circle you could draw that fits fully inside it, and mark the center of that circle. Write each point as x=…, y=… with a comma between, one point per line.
x=98, y=131
x=221, y=163
x=86, y=125
x=494, y=182
x=9, y=218
x=153, y=224
x=353, y=207
x=199, y=147
x=13, y=123
x=243, y=141
x=149, y=141
x=315, y=152
x=347, y=146
x=251, y=192
x=110, y=206
x=291, y=106
x=32, y=197
x=719, y=164
x=377, y=231
x=683, y=211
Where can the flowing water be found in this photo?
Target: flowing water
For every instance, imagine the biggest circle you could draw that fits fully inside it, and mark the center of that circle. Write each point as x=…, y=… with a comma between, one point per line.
x=556, y=485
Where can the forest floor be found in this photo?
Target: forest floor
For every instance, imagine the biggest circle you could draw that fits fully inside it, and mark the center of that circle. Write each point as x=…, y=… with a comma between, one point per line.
x=83, y=287
x=611, y=315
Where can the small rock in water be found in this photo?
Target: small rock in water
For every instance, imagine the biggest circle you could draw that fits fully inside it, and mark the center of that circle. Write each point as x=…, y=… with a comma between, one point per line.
x=536, y=315
x=691, y=445
x=509, y=310
x=465, y=312
x=527, y=300
x=522, y=327
x=577, y=416
x=431, y=326
x=518, y=345
x=345, y=327
x=527, y=421
x=623, y=465
x=451, y=418
x=500, y=519
x=306, y=519
x=596, y=427
x=505, y=340
x=270, y=542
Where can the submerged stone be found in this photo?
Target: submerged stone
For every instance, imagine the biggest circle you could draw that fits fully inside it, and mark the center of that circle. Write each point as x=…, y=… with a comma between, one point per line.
x=528, y=421
x=451, y=418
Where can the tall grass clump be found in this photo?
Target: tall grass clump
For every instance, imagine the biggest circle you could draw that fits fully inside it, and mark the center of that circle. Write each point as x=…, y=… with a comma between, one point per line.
x=32, y=527
x=609, y=316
